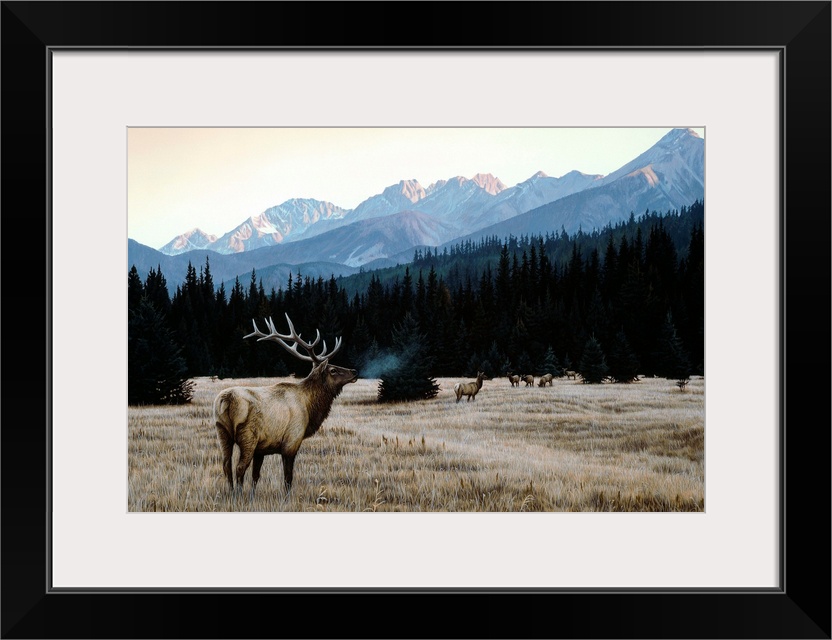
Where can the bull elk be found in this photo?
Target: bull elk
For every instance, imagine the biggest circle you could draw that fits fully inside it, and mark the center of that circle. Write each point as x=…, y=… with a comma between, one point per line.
x=514, y=379
x=545, y=379
x=276, y=419
x=469, y=389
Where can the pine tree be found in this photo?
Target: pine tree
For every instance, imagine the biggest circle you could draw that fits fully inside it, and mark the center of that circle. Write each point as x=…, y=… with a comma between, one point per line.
x=504, y=367
x=472, y=364
x=693, y=292
x=135, y=289
x=156, y=370
x=457, y=347
x=550, y=363
x=491, y=364
x=330, y=323
x=411, y=378
x=524, y=363
x=671, y=358
x=359, y=343
x=372, y=359
x=420, y=301
x=566, y=363
x=596, y=314
x=407, y=293
x=623, y=362
x=156, y=290
x=593, y=365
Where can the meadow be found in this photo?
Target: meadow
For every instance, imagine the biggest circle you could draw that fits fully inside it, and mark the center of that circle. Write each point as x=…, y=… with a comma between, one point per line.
x=568, y=447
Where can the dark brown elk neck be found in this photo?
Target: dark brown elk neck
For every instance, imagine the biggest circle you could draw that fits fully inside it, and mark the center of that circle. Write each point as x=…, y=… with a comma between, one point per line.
x=319, y=399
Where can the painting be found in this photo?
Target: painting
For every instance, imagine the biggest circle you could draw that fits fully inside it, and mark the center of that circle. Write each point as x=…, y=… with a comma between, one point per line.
x=416, y=319
x=84, y=77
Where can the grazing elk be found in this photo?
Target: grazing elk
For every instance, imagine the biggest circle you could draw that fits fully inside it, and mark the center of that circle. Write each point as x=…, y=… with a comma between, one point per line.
x=263, y=421
x=514, y=379
x=545, y=379
x=469, y=389
x=528, y=379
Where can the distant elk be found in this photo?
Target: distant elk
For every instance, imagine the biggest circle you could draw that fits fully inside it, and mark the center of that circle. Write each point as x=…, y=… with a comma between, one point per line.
x=514, y=379
x=571, y=374
x=529, y=380
x=470, y=389
x=263, y=421
x=545, y=379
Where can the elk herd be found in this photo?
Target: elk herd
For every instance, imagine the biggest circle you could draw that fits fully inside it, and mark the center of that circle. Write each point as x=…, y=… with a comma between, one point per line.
x=542, y=381
x=470, y=389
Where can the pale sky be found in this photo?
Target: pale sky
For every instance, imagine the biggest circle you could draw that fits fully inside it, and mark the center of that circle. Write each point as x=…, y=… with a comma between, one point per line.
x=215, y=178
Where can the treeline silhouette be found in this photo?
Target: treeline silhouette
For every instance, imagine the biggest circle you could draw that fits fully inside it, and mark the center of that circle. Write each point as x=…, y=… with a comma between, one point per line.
x=623, y=301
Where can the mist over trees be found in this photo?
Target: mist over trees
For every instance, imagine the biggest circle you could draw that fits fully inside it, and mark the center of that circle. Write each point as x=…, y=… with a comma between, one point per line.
x=626, y=300
x=410, y=378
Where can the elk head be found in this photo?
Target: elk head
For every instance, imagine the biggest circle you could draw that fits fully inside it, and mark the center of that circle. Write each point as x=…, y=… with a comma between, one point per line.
x=332, y=376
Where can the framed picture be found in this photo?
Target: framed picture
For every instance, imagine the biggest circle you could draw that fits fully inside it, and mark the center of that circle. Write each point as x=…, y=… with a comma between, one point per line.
x=417, y=308
x=752, y=77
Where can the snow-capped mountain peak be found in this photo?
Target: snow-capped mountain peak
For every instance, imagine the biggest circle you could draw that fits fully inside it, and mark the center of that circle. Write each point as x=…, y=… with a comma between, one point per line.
x=433, y=186
x=675, y=137
x=276, y=224
x=680, y=151
x=410, y=189
x=488, y=182
x=188, y=241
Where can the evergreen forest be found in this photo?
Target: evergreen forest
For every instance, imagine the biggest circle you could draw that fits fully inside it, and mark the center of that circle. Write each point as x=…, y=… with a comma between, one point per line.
x=614, y=304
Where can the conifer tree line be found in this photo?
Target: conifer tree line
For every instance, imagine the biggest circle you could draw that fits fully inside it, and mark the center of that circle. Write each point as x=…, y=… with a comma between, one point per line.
x=624, y=301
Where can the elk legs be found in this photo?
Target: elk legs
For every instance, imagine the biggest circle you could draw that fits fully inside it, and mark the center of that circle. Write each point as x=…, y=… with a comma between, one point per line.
x=227, y=446
x=247, y=446
x=255, y=470
x=288, y=468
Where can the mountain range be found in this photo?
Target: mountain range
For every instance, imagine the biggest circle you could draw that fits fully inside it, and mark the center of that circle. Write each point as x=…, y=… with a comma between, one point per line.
x=321, y=238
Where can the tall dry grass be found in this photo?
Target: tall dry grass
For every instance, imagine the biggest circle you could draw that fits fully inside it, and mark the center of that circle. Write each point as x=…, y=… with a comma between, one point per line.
x=569, y=447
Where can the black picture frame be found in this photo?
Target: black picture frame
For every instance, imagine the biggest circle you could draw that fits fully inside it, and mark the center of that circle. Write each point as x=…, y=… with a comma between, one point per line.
x=800, y=608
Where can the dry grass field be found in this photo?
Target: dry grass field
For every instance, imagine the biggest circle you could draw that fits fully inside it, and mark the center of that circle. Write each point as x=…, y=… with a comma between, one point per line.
x=569, y=447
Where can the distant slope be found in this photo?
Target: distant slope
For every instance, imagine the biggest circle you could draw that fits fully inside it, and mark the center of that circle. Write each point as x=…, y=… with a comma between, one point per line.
x=668, y=176
x=373, y=239
x=225, y=268
x=276, y=276
x=339, y=252
x=538, y=190
x=454, y=267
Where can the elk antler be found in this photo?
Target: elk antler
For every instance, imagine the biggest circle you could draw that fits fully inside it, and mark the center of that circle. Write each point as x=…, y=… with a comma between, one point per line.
x=273, y=334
